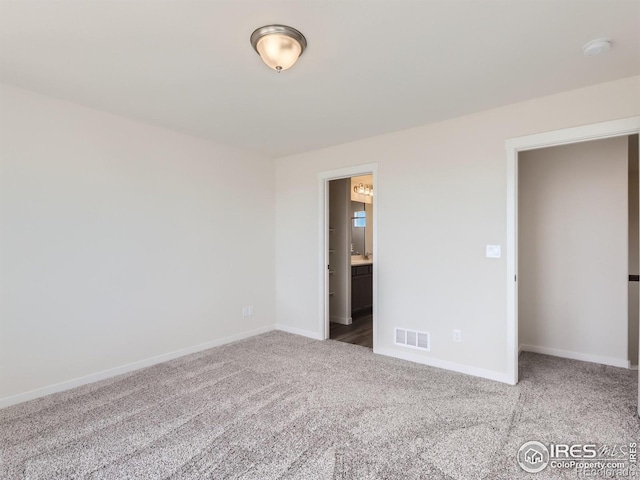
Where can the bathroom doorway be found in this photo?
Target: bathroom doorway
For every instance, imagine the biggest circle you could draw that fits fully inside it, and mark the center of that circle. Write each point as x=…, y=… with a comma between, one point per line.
x=351, y=272
x=349, y=253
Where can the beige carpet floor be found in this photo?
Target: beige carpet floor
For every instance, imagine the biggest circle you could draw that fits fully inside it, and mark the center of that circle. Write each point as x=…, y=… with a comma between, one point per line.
x=283, y=406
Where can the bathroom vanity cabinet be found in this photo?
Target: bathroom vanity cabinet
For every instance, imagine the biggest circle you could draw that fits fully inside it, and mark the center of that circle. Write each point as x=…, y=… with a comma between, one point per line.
x=361, y=287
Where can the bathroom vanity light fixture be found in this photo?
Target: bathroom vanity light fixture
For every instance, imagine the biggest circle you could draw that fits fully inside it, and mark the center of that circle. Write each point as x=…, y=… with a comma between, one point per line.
x=363, y=189
x=279, y=46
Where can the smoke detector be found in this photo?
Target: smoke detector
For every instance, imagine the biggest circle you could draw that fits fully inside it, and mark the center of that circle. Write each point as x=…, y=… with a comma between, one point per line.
x=597, y=47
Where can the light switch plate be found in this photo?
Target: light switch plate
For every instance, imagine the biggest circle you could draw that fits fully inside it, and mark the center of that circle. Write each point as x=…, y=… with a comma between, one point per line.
x=493, y=251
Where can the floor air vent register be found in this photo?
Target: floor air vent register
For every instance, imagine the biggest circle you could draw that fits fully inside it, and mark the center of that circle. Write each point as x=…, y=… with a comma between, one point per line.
x=413, y=339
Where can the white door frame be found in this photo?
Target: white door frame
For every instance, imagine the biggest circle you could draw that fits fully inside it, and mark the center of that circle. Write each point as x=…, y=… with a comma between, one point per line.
x=323, y=257
x=596, y=131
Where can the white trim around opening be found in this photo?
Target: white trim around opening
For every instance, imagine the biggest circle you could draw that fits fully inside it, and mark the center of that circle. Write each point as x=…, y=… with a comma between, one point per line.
x=323, y=231
x=597, y=131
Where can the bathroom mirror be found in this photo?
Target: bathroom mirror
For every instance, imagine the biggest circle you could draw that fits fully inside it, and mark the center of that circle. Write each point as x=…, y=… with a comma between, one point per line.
x=361, y=231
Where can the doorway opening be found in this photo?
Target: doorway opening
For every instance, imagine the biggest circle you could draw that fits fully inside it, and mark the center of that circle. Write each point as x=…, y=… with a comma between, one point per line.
x=574, y=261
x=578, y=135
x=351, y=260
x=349, y=255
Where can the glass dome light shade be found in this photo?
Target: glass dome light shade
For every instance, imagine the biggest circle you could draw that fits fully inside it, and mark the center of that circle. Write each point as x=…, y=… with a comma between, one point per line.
x=279, y=46
x=277, y=50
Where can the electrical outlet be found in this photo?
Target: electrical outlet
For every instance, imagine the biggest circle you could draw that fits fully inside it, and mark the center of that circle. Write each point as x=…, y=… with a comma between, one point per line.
x=457, y=335
x=247, y=311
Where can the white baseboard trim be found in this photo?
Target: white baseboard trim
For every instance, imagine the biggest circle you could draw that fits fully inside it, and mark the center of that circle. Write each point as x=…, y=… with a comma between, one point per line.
x=298, y=331
x=446, y=365
x=341, y=320
x=585, y=357
x=112, y=372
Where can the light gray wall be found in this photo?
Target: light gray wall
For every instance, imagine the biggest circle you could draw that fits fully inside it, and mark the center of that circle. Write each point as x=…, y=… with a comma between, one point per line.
x=573, y=249
x=339, y=242
x=120, y=242
x=368, y=234
x=634, y=248
x=447, y=180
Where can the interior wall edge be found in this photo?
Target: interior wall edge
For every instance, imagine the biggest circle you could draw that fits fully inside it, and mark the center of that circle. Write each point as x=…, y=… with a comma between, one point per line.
x=298, y=331
x=497, y=376
x=584, y=357
x=130, y=367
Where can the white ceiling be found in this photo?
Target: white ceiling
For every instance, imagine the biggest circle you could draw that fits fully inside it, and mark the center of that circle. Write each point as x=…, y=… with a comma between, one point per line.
x=371, y=66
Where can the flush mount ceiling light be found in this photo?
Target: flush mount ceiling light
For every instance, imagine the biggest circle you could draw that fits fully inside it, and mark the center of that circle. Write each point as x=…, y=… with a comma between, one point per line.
x=279, y=46
x=597, y=47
